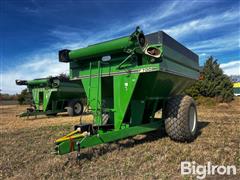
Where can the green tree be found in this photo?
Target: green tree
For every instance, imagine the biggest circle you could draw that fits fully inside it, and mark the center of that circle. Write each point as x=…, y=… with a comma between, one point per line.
x=25, y=97
x=213, y=83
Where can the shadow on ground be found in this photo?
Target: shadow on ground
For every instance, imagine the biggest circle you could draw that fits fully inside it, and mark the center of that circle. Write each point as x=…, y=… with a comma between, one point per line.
x=131, y=142
x=202, y=125
x=126, y=143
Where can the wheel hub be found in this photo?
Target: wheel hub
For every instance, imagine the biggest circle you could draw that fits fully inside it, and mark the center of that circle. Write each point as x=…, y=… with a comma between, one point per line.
x=192, y=119
x=77, y=108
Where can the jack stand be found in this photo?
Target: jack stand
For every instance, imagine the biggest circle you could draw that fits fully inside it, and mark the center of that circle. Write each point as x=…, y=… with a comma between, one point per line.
x=78, y=151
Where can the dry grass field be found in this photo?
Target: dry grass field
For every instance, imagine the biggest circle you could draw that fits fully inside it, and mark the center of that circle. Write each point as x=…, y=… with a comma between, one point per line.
x=26, y=146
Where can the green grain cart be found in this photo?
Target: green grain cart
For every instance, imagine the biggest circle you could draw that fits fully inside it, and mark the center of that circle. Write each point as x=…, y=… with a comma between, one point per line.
x=127, y=80
x=53, y=95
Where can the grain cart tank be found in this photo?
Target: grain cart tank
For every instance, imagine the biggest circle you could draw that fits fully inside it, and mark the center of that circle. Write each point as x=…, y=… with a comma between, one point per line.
x=53, y=95
x=127, y=80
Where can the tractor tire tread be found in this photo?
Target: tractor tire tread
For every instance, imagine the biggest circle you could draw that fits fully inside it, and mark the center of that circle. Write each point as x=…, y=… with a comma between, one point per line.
x=176, y=118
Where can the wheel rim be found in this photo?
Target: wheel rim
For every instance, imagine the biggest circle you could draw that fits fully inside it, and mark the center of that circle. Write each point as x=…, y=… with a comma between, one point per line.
x=192, y=119
x=77, y=108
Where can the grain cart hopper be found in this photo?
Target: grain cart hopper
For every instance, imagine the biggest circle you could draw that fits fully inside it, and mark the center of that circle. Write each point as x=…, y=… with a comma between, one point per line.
x=53, y=95
x=126, y=81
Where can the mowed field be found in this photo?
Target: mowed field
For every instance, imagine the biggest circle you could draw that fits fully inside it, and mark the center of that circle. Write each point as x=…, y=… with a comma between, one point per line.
x=26, y=147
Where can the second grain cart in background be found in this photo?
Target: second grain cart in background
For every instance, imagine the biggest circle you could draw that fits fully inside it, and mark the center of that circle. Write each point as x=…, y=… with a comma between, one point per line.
x=53, y=95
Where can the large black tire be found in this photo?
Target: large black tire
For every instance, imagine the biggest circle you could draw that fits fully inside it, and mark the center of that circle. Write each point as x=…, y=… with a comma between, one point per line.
x=75, y=108
x=180, y=116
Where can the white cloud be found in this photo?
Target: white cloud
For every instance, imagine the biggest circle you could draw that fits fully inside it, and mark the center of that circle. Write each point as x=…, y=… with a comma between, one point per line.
x=231, y=68
x=39, y=67
x=151, y=21
x=203, y=55
x=156, y=20
x=207, y=23
x=212, y=46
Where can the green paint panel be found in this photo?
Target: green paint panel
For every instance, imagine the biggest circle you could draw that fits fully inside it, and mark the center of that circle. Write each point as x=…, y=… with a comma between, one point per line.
x=102, y=49
x=137, y=112
x=38, y=82
x=123, y=89
x=92, y=88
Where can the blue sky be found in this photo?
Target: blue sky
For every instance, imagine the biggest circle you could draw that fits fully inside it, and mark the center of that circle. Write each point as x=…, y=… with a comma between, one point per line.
x=32, y=31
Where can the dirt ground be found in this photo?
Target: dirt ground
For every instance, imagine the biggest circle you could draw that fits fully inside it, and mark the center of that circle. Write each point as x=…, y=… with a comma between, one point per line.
x=26, y=146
